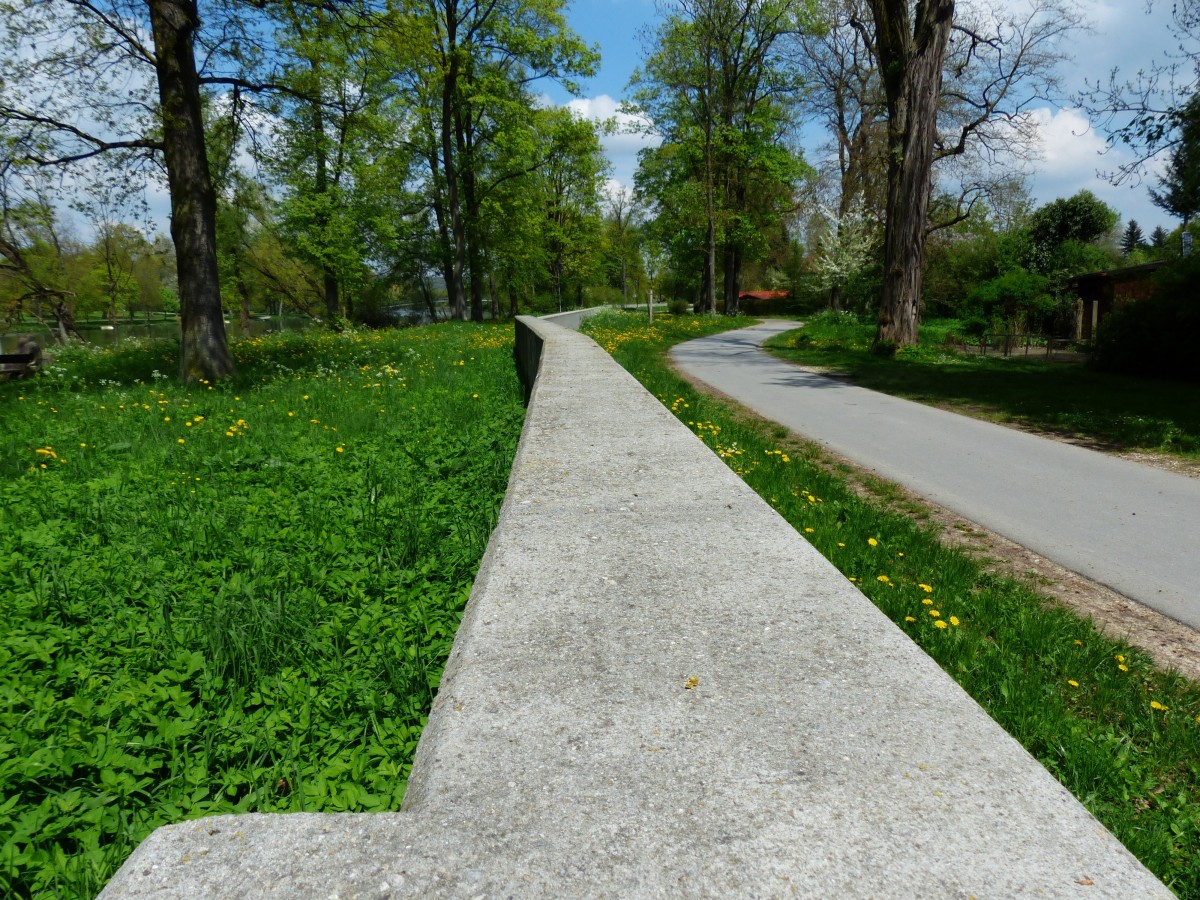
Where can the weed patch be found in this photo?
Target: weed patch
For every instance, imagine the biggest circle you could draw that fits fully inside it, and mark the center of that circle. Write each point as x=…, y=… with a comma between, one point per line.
x=233, y=598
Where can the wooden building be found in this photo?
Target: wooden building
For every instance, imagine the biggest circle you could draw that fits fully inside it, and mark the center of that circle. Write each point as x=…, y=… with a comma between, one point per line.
x=1101, y=292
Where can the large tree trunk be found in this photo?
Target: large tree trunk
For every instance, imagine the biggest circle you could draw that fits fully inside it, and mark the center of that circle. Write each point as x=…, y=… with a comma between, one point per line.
x=910, y=60
x=204, y=351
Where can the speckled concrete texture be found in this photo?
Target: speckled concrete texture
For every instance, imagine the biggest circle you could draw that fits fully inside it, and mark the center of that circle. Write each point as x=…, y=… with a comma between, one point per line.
x=660, y=689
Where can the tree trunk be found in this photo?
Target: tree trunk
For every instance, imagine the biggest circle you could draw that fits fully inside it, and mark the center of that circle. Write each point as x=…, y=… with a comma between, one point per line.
x=733, y=277
x=454, y=284
x=333, y=301
x=710, y=263
x=708, y=282
x=476, y=266
x=835, y=298
x=204, y=350
x=910, y=60
x=329, y=281
x=464, y=135
x=445, y=239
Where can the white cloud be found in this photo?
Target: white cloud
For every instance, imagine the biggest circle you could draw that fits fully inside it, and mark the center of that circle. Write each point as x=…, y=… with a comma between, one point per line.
x=1073, y=154
x=623, y=144
x=1069, y=144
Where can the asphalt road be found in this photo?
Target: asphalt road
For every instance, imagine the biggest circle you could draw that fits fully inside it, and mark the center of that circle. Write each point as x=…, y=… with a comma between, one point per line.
x=1131, y=527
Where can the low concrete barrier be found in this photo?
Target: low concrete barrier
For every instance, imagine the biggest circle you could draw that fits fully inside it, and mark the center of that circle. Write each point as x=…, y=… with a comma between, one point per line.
x=660, y=689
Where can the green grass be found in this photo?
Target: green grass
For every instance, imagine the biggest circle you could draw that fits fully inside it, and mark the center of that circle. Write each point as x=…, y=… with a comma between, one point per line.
x=1059, y=397
x=233, y=598
x=1122, y=736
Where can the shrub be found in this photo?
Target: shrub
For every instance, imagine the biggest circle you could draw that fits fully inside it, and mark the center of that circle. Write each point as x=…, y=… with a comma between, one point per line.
x=1156, y=336
x=1017, y=300
x=678, y=307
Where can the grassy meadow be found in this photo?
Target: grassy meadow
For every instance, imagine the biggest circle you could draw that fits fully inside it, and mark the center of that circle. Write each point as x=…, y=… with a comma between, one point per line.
x=233, y=597
x=1119, y=411
x=1122, y=736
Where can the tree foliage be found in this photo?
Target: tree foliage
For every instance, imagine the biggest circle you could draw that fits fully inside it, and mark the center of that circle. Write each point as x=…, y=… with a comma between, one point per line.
x=1179, y=186
x=1132, y=239
x=715, y=88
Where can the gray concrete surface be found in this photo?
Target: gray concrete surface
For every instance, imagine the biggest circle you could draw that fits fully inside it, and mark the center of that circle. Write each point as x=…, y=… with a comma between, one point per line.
x=1132, y=527
x=573, y=318
x=659, y=689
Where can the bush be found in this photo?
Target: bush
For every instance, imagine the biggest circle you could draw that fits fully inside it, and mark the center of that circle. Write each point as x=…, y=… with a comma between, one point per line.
x=1018, y=297
x=1156, y=336
x=678, y=307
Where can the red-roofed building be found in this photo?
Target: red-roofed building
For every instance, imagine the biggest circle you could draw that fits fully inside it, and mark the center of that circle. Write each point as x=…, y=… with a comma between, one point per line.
x=763, y=295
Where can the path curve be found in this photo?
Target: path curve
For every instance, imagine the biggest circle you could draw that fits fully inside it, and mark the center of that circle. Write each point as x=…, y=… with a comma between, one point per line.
x=1131, y=527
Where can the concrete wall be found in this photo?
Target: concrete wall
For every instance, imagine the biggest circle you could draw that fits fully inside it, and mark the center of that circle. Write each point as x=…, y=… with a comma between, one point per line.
x=660, y=689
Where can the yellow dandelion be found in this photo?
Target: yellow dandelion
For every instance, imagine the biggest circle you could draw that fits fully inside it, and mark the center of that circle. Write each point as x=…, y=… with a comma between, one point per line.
x=909, y=619
x=954, y=621
x=883, y=578
x=927, y=602
x=1072, y=682
x=808, y=531
x=1119, y=658
x=1079, y=643
x=926, y=588
x=1154, y=704
x=180, y=441
x=1123, y=667
x=339, y=450
x=934, y=613
x=940, y=623
x=873, y=542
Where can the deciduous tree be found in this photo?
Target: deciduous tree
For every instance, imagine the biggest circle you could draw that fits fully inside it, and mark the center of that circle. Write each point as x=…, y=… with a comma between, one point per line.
x=944, y=100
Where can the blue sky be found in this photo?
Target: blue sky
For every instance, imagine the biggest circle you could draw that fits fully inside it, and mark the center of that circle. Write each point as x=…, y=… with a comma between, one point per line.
x=1124, y=33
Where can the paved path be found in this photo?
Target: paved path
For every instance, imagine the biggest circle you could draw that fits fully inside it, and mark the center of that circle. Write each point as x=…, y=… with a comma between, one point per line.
x=1131, y=527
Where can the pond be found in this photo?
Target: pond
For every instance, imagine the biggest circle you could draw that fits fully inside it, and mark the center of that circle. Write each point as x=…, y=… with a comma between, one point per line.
x=107, y=335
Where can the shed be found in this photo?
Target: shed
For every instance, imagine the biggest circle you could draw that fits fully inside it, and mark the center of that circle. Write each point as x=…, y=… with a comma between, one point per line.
x=1101, y=292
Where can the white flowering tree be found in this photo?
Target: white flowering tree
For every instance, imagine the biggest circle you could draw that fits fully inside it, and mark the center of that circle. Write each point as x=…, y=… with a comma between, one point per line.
x=844, y=248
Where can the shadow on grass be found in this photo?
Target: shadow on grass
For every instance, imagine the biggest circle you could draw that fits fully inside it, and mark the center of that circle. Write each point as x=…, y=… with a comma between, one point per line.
x=1118, y=412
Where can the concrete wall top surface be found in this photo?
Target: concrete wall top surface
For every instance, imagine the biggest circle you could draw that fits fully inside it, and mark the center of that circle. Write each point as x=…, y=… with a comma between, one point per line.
x=660, y=689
